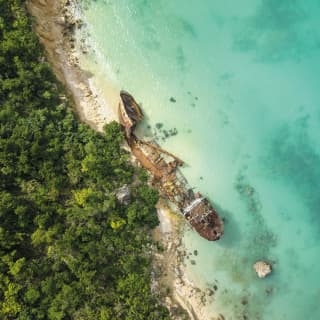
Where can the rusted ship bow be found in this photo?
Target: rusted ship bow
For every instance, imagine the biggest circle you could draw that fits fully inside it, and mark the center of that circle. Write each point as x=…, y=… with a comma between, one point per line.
x=163, y=165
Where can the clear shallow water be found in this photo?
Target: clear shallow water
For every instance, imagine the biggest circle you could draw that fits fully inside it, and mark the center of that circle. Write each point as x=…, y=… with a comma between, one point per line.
x=244, y=78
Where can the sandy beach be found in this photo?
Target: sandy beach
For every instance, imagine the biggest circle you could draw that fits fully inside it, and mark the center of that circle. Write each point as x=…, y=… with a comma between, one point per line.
x=54, y=25
x=172, y=265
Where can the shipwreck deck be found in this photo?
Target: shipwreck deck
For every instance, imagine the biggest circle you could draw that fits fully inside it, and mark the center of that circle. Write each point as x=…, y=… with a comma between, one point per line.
x=163, y=167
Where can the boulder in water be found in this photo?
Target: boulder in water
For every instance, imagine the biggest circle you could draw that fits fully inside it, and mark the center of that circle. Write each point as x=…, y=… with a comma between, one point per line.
x=262, y=268
x=123, y=195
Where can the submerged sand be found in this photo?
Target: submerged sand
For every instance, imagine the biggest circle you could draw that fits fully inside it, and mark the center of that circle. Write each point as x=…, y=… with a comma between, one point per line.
x=55, y=25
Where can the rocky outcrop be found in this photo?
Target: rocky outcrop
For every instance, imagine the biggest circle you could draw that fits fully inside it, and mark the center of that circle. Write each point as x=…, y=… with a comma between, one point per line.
x=123, y=195
x=262, y=268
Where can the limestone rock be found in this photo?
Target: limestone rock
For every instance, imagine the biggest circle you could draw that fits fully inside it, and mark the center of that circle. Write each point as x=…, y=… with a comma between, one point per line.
x=60, y=20
x=123, y=195
x=43, y=2
x=262, y=268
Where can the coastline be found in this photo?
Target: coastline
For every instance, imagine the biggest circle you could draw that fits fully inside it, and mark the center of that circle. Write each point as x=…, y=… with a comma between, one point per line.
x=54, y=26
x=171, y=264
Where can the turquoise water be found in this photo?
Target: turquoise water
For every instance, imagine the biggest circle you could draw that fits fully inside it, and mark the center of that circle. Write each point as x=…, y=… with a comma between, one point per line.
x=239, y=84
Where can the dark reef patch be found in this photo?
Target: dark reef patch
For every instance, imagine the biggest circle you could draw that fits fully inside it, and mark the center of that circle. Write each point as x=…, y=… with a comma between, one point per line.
x=278, y=31
x=160, y=133
x=292, y=157
x=261, y=238
x=181, y=59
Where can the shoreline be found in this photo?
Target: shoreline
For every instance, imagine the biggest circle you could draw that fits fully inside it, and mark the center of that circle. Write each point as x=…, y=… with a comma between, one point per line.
x=171, y=264
x=55, y=26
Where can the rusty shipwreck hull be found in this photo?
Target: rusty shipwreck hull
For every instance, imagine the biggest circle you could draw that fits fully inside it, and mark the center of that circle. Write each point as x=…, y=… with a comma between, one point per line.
x=163, y=166
x=203, y=218
x=129, y=113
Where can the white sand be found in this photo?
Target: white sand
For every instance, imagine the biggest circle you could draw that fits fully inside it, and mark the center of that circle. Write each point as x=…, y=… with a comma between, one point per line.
x=91, y=106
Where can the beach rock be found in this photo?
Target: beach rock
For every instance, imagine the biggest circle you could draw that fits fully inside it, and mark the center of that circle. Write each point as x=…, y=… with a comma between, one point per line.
x=123, y=195
x=262, y=268
x=43, y=33
x=209, y=292
x=60, y=20
x=82, y=86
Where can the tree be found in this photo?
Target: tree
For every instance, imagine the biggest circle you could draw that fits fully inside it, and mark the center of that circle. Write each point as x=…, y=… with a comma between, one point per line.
x=63, y=234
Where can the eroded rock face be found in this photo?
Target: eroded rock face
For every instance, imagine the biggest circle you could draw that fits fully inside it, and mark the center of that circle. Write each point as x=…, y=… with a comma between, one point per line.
x=123, y=195
x=262, y=268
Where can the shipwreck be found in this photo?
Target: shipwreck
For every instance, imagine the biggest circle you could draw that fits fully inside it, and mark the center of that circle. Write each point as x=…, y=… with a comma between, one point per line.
x=163, y=167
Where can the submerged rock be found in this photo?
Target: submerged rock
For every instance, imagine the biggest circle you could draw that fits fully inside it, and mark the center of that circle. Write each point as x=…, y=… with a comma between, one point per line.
x=262, y=268
x=209, y=292
x=123, y=195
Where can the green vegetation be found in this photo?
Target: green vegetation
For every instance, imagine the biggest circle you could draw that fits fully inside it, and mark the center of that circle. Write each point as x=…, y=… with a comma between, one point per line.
x=68, y=248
